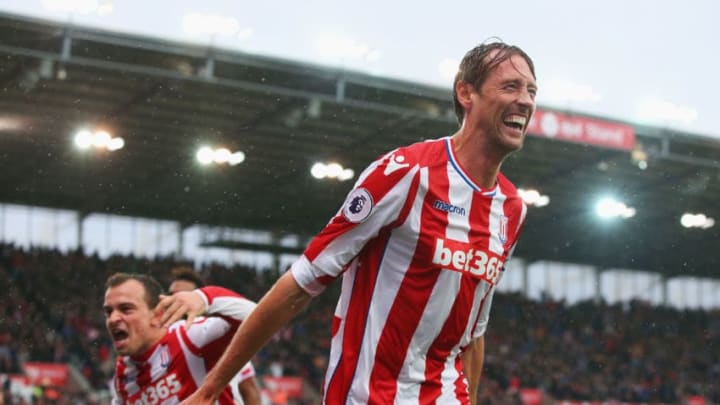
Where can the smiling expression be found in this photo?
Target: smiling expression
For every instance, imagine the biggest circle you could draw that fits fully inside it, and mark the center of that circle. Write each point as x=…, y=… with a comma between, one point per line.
x=502, y=107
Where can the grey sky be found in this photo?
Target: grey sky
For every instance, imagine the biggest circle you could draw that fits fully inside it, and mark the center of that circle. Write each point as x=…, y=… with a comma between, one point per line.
x=626, y=58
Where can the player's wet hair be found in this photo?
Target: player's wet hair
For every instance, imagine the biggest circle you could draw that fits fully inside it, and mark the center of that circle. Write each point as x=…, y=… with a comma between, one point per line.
x=477, y=64
x=186, y=273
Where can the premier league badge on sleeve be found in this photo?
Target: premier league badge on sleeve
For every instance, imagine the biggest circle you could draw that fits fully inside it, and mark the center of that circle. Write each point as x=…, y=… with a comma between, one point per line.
x=358, y=206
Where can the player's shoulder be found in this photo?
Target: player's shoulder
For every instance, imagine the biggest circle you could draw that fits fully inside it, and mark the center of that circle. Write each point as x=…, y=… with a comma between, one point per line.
x=422, y=153
x=423, y=149
x=513, y=199
x=196, y=323
x=507, y=187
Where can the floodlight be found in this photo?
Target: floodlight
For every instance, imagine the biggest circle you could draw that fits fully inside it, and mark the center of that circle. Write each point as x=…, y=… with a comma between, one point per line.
x=533, y=197
x=205, y=155
x=346, y=174
x=608, y=207
x=542, y=201
x=83, y=139
x=221, y=155
x=101, y=139
x=115, y=144
x=334, y=170
x=236, y=158
x=689, y=220
x=319, y=170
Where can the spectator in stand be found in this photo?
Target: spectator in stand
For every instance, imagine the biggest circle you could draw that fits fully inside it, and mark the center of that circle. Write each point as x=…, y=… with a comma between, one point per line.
x=161, y=364
x=244, y=388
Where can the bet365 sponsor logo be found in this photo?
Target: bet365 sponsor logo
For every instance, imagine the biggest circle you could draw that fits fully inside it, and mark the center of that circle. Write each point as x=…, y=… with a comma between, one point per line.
x=460, y=257
x=160, y=392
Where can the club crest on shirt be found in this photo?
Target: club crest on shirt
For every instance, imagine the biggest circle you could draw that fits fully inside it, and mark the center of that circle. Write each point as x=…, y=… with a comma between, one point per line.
x=164, y=356
x=396, y=162
x=358, y=205
x=502, y=232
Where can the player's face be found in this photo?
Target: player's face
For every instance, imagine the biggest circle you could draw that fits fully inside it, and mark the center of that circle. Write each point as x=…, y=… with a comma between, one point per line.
x=181, y=285
x=502, y=107
x=129, y=320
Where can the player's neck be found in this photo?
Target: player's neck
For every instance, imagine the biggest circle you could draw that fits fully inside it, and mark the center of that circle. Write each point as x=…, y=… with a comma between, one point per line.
x=157, y=335
x=481, y=163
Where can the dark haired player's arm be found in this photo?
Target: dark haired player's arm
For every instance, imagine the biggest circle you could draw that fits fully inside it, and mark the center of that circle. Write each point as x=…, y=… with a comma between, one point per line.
x=473, y=358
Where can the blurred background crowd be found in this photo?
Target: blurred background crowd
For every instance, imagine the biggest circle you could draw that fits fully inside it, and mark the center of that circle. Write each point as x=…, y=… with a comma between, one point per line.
x=590, y=351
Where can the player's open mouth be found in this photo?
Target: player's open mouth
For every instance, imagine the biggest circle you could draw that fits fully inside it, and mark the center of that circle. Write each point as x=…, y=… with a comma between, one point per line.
x=515, y=121
x=119, y=335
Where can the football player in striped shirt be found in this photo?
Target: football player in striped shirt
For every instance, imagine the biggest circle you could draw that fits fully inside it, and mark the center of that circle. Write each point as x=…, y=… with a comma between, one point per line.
x=157, y=364
x=420, y=244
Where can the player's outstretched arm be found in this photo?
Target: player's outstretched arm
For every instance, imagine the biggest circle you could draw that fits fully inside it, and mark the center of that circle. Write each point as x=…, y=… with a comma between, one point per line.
x=472, y=359
x=285, y=300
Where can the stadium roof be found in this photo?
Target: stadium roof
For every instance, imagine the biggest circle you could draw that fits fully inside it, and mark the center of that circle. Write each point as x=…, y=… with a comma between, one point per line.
x=166, y=99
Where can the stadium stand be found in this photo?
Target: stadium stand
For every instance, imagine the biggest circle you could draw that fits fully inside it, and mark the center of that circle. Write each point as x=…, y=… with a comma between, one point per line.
x=590, y=351
x=164, y=96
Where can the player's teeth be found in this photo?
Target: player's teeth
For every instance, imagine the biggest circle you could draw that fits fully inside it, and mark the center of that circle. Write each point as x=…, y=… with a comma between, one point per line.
x=517, y=119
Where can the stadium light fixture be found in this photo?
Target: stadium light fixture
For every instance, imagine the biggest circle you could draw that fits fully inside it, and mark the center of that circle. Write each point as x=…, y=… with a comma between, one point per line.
x=115, y=144
x=236, y=158
x=331, y=171
x=100, y=139
x=702, y=221
x=533, y=197
x=608, y=207
x=206, y=155
x=83, y=139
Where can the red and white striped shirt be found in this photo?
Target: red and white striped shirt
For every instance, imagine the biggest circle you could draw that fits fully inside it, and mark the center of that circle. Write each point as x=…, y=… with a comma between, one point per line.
x=176, y=366
x=420, y=247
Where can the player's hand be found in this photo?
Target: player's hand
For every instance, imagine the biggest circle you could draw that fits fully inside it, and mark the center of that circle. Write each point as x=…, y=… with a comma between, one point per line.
x=174, y=307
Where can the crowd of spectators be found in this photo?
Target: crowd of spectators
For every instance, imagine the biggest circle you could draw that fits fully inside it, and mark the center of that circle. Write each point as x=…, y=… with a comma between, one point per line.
x=634, y=352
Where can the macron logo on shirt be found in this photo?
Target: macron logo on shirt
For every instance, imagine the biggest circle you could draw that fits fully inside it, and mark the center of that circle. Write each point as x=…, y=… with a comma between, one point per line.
x=449, y=208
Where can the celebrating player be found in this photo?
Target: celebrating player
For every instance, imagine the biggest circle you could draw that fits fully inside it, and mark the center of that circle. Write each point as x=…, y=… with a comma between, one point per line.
x=420, y=242
x=157, y=364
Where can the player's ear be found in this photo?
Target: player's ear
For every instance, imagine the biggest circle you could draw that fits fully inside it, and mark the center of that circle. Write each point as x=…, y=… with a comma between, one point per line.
x=157, y=313
x=464, y=91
